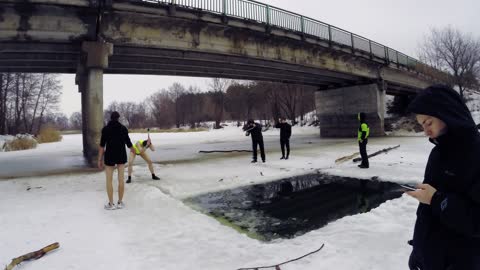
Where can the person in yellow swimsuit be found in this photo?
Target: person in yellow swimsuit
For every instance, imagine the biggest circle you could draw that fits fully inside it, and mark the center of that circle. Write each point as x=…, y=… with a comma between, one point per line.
x=140, y=148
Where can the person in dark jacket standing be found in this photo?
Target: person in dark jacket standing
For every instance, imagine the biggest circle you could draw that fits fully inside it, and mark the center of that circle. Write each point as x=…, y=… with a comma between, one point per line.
x=447, y=229
x=285, y=133
x=363, y=133
x=255, y=130
x=114, y=138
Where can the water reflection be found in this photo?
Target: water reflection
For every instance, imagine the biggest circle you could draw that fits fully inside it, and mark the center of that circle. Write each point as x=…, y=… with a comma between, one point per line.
x=294, y=206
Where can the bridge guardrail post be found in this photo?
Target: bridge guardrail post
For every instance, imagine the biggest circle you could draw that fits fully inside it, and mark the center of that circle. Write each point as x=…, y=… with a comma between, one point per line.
x=370, y=48
x=267, y=10
x=387, y=55
x=302, y=26
x=329, y=35
x=353, y=44
x=171, y=7
x=398, y=64
x=267, y=16
x=224, y=12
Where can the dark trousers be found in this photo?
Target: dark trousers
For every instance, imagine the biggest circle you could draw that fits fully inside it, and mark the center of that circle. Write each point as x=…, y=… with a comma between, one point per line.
x=284, y=143
x=262, y=150
x=363, y=151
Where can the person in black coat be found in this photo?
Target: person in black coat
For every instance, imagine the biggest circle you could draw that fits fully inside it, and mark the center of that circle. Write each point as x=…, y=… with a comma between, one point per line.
x=255, y=130
x=285, y=133
x=447, y=229
x=114, y=138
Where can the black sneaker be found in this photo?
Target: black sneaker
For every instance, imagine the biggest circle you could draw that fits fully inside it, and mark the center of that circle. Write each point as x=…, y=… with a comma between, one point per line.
x=154, y=177
x=253, y=161
x=129, y=180
x=282, y=158
x=263, y=161
x=286, y=158
x=361, y=166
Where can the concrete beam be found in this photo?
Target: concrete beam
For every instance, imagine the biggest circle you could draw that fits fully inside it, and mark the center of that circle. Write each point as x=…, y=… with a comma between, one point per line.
x=89, y=79
x=97, y=53
x=337, y=110
x=92, y=110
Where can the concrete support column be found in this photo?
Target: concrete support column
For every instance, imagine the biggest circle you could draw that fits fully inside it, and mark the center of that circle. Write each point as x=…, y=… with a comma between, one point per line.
x=337, y=110
x=90, y=83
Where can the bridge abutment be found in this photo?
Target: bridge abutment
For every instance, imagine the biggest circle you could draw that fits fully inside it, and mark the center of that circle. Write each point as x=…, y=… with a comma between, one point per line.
x=337, y=110
x=90, y=83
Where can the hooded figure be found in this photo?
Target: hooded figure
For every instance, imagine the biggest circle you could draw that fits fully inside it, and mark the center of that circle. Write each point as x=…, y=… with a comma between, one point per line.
x=255, y=130
x=447, y=229
x=285, y=133
x=363, y=133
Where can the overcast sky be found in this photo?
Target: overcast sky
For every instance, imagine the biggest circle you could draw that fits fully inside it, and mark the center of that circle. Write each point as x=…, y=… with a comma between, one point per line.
x=400, y=25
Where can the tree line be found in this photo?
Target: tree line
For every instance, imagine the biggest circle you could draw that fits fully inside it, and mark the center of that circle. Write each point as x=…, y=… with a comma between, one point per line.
x=179, y=106
x=29, y=101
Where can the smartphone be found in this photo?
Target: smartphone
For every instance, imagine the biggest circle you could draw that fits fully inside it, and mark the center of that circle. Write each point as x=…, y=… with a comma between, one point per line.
x=409, y=187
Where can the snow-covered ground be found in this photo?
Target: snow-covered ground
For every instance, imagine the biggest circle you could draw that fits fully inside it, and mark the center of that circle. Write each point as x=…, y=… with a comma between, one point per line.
x=157, y=231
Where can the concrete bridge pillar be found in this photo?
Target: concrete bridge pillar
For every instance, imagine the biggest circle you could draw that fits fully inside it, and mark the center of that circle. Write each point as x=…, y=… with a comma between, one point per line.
x=90, y=83
x=337, y=110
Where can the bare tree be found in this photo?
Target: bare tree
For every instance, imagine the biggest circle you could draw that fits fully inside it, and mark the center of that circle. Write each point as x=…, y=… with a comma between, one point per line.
x=175, y=91
x=454, y=52
x=6, y=80
x=76, y=120
x=272, y=95
x=50, y=97
x=24, y=99
x=219, y=87
x=307, y=102
x=162, y=108
x=236, y=102
x=289, y=99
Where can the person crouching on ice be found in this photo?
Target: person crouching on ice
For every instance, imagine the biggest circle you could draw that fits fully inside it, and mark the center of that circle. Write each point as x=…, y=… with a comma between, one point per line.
x=140, y=149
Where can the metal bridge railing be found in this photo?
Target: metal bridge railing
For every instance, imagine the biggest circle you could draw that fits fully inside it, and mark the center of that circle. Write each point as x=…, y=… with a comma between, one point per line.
x=277, y=17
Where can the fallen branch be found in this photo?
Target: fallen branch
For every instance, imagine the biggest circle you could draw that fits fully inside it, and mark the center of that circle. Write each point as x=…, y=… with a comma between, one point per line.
x=345, y=158
x=223, y=151
x=378, y=152
x=32, y=255
x=277, y=266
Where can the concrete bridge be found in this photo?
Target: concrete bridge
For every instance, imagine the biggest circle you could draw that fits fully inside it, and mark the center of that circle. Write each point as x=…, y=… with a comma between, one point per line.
x=238, y=39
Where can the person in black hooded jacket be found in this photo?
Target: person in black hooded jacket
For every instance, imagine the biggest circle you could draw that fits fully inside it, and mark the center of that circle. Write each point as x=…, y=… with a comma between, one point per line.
x=114, y=138
x=447, y=229
x=255, y=130
x=285, y=133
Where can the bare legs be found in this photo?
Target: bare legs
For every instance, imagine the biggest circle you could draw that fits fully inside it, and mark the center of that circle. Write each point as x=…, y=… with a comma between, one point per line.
x=145, y=157
x=121, y=181
x=149, y=162
x=109, y=173
x=130, y=163
x=121, y=185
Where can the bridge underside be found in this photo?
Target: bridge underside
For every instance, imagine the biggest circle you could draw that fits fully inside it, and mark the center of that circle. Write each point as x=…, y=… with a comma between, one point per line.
x=65, y=58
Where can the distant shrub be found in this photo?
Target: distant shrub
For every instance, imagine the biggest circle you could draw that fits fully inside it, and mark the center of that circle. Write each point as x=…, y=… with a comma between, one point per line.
x=49, y=134
x=21, y=143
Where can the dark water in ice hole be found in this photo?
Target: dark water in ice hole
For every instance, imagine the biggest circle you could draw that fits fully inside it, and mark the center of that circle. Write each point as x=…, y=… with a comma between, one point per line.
x=291, y=207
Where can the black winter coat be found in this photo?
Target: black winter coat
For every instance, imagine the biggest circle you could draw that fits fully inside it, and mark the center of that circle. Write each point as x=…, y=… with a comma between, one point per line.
x=447, y=232
x=255, y=132
x=285, y=130
x=115, y=137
